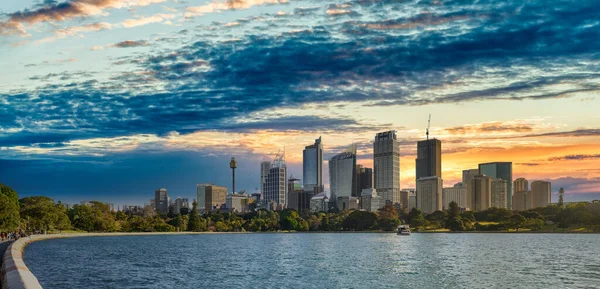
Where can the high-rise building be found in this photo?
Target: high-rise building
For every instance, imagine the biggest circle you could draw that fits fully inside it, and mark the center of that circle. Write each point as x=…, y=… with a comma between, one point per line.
x=298, y=199
x=457, y=193
x=214, y=198
x=312, y=167
x=364, y=179
x=429, y=159
x=179, y=204
x=386, y=166
x=238, y=203
x=467, y=177
x=520, y=185
x=429, y=194
x=342, y=171
x=370, y=201
x=540, y=191
x=500, y=170
x=161, y=200
x=499, y=189
x=275, y=188
x=404, y=195
x=482, y=192
x=265, y=167
x=201, y=197
x=522, y=200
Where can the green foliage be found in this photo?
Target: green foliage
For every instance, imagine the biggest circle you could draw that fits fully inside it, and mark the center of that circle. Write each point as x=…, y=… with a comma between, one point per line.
x=195, y=224
x=360, y=221
x=416, y=219
x=9, y=209
x=95, y=217
x=41, y=213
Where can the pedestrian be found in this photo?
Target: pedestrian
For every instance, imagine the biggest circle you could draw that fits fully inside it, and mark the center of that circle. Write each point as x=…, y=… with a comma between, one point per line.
x=3, y=236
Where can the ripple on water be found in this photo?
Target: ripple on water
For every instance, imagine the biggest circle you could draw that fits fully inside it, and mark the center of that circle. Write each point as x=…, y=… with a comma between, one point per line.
x=319, y=261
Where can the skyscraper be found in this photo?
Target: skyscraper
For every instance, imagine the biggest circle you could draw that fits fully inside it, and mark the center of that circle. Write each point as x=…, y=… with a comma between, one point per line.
x=499, y=189
x=429, y=159
x=265, y=167
x=312, y=167
x=342, y=171
x=540, y=191
x=482, y=192
x=386, y=166
x=520, y=185
x=467, y=177
x=429, y=194
x=215, y=197
x=457, y=193
x=364, y=179
x=161, y=201
x=500, y=170
x=275, y=187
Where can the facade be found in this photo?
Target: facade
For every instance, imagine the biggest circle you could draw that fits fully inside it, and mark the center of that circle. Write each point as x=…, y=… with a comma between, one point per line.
x=386, y=166
x=540, y=191
x=298, y=199
x=482, y=192
x=467, y=178
x=412, y=202
x=312, y=167
x=238, y=203
x=429, y=159
x=275, y=187
x=341, y=175
x=364, y=180
x=161, y=201
x=429, y=194
x=522, y=200
x=457, y=193
x=520, y=185
x=319, y=203
x=265, y=167
x=499, y=191
x=179, y=204
x=404, y=195
x=370, y=201
x=500, y=170
x=214, y=197
x=201, y=197
x=347, y=203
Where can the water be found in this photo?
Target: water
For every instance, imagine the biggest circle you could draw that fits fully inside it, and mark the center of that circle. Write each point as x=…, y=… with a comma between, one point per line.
x=336, y=260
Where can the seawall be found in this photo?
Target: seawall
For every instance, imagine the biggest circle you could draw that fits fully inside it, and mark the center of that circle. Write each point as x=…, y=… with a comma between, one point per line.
x=14, y=274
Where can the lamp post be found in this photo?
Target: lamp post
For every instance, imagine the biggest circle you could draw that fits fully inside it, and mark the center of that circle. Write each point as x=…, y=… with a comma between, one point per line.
x=233, y=165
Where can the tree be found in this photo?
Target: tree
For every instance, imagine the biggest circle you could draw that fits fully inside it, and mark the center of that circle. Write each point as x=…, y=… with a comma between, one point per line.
x=387, y=212
x=194, y=224
x=9, y=209
x=360, y=221
x=515, y=221
x=42, y=213
x=455, y=224
x=416, y=219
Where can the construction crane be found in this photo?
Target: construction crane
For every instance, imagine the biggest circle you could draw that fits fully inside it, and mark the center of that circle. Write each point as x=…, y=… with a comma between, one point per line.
x=428, y=126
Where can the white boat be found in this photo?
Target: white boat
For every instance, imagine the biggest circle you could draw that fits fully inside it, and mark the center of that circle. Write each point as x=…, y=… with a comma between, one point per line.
x=403, y=230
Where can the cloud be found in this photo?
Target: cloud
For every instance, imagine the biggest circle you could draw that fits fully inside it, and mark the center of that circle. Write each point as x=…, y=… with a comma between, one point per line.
x=58, y=12
x=76, y=30
x=575, y=157
x=223, y=5
x=490, y=127
x=572, y=133
x=147, y=20
x=124, y=44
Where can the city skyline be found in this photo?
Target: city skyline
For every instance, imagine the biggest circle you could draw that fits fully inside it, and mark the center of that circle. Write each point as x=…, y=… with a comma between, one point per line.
x=113, y=99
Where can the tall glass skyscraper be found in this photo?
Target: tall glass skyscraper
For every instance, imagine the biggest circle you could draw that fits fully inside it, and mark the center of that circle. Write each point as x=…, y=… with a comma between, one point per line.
x=342, y=174
x=429, y=159
x=500, y=170
x=386, y=166
x=312, y=167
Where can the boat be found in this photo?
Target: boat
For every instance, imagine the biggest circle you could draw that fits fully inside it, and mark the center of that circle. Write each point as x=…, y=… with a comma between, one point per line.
x=403, y=230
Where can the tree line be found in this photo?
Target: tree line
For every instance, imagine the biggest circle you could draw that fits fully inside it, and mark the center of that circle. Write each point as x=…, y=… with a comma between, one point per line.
x=42, y=214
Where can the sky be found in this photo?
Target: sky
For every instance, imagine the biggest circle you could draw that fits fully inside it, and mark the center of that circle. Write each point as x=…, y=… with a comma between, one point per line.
x=110, y=99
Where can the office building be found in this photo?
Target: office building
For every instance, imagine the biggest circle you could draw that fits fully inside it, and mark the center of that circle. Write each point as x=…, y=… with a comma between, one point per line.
x=347, y=203
x=179, y=204
x=499, y=191
x=500, y=170
x=404, y=195
x=429, y=194
x=412, y=201
x=275, y=187
x=364, y=180
x=386, y=166
x=522, y=200
x=371, y=201
x=540, y=191
x=312, y=167
x=482, y=192
x=467, y=178
x=429, y=159
x=298, y=199
x=214, y=197
x=319, y=203
x=238, y=203
x=457, y=193
x=265, y=167
x=161, y=201
x=341, y=174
